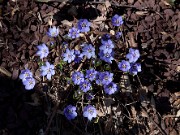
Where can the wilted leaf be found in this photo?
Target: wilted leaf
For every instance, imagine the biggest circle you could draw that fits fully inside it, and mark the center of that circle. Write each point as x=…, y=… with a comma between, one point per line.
x=141, y=12
x=177, y=114
x=100, y=114
x=66, y=22
x=107, y=3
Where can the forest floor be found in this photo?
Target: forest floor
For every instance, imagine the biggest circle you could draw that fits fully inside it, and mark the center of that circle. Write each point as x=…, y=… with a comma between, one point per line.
x=150, y=107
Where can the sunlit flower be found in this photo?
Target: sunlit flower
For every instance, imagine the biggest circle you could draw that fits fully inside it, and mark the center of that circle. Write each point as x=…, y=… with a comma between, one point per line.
x=89, y=112
x=73, y=33
x=43, y=51
x=29, y=83
x=47, y=70
x=83, y=25
x=53, y=31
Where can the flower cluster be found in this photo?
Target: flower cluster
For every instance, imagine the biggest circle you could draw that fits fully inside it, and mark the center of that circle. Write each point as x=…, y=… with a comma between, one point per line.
x=106, y=50
x=101, y=78
x=27, y=79
x=82, y=26
x=88, y=111
x=130, y=65
x=75, y=55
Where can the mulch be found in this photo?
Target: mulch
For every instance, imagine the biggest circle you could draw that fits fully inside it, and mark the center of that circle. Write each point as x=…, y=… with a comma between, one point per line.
x=152, y=26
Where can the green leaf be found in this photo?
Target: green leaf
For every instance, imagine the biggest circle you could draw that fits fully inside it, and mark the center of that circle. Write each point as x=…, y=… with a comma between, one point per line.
x=98, y=63
x=77, y=94
x=96, y=120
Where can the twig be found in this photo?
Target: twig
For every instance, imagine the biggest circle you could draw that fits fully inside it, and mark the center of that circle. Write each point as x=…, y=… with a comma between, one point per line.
x=52, y=116
x=4, y=71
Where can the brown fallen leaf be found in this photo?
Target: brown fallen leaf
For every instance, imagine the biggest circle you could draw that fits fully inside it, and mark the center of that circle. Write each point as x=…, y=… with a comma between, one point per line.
x=141, y=12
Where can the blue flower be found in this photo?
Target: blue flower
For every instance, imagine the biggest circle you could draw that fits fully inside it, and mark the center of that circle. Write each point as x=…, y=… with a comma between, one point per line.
x=91, y=74
x=88, y=51
x=47, y=70
x=78, y=56
x=53, y=31
x=124, y=65
x=98, y=79
x=107, y=57
x=118, y=35
x=133, y=55
x=69, y=55
x=24, y=74
x=89, y=96
x=135, y=68
x=89, y=112
x=73, y=33
x=43, y=51
x=117, y=20
x=70, y=112
x=111, y=88
x=77, y=77
x=105, y=37
x=107, y=46
x=83, y=25
x=29, y=83
x=85, y=86
x=106, y=77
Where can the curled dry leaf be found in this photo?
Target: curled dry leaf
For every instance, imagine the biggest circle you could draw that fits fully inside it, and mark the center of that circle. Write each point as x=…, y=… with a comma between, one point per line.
x=144, y=113
x=177, y=115
x=133, y=111
x=100, y=113
x=66, y=22
x=141, y=13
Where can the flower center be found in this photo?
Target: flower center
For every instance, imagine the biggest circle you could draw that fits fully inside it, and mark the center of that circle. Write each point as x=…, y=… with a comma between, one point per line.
x=83, y=25
x=90, y=111
x=124, y=66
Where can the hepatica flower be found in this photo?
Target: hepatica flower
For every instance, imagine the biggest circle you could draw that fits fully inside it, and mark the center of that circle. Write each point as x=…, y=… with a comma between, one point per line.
x=133, y=55
x=69, y=55
x=78, y=56
x=89, y=112
x=107, y=57
x=105, y=37
x=83, y=25
x=106, y=77
x=98, y=79
x=24, y=74
x=77, y=77
x=73, y=33
x=124, y=66
x=29, y=83
x=88, y=51
x=70, y=112
x=111, y=88
x=91, y=74
x=89, y=96
x=117, y=20
x=53, y=31
x=135, y=68
x=43, y=51
x=47, y=70
x=118, y=35
x=107, y=46
x=85, y=86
